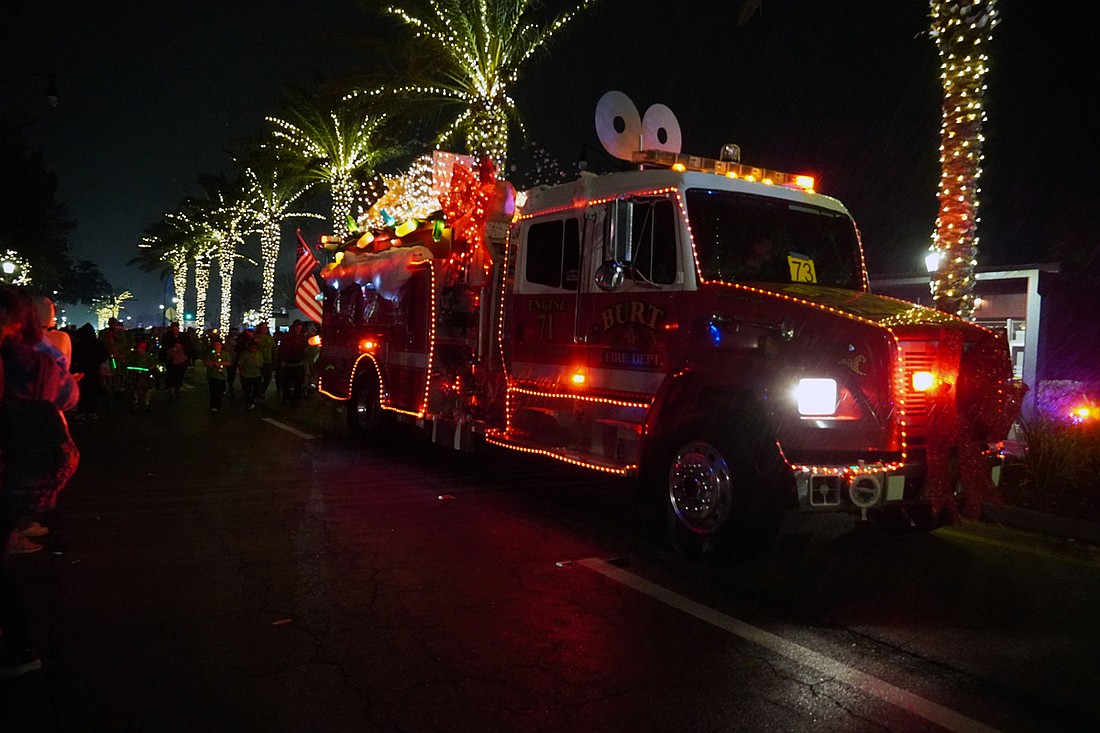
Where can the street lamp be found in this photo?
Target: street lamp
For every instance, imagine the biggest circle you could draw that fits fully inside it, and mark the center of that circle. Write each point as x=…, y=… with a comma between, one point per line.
x=933, y=261
x=14, y=270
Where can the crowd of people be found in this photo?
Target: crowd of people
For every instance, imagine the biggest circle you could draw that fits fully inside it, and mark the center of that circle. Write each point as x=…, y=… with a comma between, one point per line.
x=54, y=376
x=135, y=364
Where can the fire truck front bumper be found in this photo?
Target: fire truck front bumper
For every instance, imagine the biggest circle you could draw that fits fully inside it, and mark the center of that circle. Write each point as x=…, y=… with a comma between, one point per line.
x=868, y=487
x=830, y=489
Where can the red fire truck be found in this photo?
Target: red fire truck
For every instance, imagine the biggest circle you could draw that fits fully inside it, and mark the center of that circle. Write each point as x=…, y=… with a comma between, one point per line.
x=701, y=325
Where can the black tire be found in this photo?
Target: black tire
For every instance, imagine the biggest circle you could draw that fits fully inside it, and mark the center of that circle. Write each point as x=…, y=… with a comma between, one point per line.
x=723, y=488
x=366, y=418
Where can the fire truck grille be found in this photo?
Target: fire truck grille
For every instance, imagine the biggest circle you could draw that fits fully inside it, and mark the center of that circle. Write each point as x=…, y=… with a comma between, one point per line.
x=917, y=357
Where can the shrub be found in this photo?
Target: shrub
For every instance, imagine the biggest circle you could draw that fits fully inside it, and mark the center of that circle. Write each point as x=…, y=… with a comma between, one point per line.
x=1061, y=463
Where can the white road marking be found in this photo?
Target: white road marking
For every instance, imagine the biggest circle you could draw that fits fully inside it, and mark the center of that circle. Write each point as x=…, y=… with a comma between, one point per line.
x=289, y=429
x=938, y=714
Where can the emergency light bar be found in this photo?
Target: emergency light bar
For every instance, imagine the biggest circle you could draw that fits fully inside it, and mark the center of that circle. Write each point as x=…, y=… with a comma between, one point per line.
x=681, y=162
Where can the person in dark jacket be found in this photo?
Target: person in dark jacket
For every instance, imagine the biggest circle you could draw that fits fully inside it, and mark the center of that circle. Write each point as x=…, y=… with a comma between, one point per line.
x=177, y=353
x=88, y=355
x=292, y=364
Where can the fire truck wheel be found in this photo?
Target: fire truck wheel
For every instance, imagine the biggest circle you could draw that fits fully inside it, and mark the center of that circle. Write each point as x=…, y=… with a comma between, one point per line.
x=724, y=493
x=365, y=414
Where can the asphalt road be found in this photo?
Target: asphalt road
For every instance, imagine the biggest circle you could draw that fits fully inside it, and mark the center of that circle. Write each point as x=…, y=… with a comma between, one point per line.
x=259, y=571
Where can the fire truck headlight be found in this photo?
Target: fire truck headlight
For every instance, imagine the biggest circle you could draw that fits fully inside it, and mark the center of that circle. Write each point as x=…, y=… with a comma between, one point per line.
x=816, y=396
x=923, y=381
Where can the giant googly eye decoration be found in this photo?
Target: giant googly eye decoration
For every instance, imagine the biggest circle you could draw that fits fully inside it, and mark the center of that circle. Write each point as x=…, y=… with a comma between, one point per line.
x=618, y=125
x=660, y=130
x=623, y=132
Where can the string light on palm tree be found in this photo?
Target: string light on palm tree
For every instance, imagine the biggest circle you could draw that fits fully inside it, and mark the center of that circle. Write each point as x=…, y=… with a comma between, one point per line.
x=110, y=307
x=162, y=255
x=202, y=285
x=169, y=247
x=272, y=196
x=220, y=222
x=334, y=146
x=178, y=261
x=481, y=47
x=962, y=32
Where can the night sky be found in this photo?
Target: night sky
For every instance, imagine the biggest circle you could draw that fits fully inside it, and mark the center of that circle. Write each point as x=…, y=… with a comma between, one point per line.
x=153, y=94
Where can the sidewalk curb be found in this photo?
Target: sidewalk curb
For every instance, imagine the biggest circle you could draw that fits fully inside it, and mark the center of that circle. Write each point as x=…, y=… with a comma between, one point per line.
x=1051, y=525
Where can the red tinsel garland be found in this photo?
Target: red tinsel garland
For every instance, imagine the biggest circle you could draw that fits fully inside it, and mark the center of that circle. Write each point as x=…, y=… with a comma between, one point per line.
x=975, y=404
x=466, y=206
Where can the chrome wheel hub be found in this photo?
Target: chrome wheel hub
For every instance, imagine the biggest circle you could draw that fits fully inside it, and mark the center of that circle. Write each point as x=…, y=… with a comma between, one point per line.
x=700, y=487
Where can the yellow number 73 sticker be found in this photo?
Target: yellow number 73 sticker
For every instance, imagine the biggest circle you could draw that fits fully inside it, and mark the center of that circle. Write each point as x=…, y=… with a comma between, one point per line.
x=802, y=269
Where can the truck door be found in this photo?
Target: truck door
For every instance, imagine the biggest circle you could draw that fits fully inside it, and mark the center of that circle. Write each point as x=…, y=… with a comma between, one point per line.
x=540, y=340
x=630, y=314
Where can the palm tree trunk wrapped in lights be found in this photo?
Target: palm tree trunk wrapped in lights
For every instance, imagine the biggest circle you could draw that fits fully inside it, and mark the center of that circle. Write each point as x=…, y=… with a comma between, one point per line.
x=202, y=285
x=269, y=253
x=962, y=30
x=227, y=254
x=178, y=262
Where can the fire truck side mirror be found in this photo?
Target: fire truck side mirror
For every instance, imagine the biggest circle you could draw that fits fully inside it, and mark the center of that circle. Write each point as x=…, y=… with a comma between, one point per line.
x=610, y=276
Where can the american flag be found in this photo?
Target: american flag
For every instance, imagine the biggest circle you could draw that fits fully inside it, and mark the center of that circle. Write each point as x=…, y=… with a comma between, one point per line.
x=306, y=289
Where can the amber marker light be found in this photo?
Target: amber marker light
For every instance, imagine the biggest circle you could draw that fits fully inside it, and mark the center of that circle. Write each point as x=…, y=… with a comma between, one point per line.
x=806, y=182
x=368, y=345
x=579, y=378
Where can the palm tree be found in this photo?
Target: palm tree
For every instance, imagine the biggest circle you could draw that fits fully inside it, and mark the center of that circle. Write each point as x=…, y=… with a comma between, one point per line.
x=168, y=247
x=110, y=306
x=479, y=48
x=226, y=215
x=196, y=244
x=272, y=194
x=335, y=145
x=962, y=32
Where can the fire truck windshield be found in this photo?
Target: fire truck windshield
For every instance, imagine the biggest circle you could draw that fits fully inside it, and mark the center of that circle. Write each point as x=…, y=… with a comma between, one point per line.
x=747, y=238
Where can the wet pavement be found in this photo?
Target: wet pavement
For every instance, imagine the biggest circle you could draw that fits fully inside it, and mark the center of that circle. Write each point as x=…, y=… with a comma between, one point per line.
x=258, y=571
